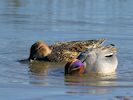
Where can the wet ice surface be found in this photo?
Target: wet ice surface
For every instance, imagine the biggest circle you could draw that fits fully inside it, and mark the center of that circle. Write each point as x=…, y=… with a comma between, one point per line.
x=23, y=22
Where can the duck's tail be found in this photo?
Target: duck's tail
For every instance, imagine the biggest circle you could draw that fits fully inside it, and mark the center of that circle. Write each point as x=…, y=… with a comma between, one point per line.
x=97, y=43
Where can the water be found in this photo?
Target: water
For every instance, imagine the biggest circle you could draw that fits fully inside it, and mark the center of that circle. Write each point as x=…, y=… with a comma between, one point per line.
x=22, y=22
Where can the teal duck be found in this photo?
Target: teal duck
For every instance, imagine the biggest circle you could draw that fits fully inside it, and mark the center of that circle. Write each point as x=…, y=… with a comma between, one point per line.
x=98, y=60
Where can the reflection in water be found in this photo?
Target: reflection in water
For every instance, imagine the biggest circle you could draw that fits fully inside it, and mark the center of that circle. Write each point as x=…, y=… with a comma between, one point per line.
x=37, y=72
x=39, y=68
x=87, y=80
x=100, y=85
x=45, y=73
x=90, y=90
x=15, y=3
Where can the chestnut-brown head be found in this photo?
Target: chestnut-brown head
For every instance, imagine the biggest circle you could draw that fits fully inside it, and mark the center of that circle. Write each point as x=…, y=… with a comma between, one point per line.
x=39, y=50
x=74, y=67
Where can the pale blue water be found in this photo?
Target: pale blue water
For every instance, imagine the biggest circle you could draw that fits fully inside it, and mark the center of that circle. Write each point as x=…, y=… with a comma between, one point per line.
x=22, y=22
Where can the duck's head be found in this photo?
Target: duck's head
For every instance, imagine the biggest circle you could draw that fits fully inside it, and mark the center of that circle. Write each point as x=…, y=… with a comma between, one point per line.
x=74, y=67
x=39, y=50
x=100, y=60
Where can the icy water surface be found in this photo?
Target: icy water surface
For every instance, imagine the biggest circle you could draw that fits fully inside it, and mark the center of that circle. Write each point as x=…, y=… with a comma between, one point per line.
x=22, y=22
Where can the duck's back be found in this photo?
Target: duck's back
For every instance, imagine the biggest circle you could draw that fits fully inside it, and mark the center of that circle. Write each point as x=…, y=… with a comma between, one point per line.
x=67, y=51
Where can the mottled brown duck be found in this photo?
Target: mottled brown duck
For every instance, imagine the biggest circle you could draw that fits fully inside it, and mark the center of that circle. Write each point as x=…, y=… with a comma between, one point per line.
x=61, y=51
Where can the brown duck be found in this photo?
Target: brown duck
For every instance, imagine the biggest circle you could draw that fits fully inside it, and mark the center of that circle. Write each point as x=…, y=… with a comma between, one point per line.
x=61, y=51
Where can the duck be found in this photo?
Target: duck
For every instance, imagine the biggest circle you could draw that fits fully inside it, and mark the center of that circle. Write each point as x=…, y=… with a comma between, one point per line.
x=61, y=51
x=98, y=60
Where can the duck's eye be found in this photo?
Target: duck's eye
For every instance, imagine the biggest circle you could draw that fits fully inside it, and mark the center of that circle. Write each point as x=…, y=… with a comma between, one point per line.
x=109, y=56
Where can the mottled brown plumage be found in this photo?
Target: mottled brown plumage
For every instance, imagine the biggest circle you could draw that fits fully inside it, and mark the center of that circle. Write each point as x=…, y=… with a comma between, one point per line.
x=63, y=51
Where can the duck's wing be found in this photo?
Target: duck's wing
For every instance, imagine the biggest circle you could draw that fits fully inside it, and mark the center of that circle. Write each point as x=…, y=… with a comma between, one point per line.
x=98, y=43
x=77, y=46
x=108, y=50
x=67, y=51
x=83, y=55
